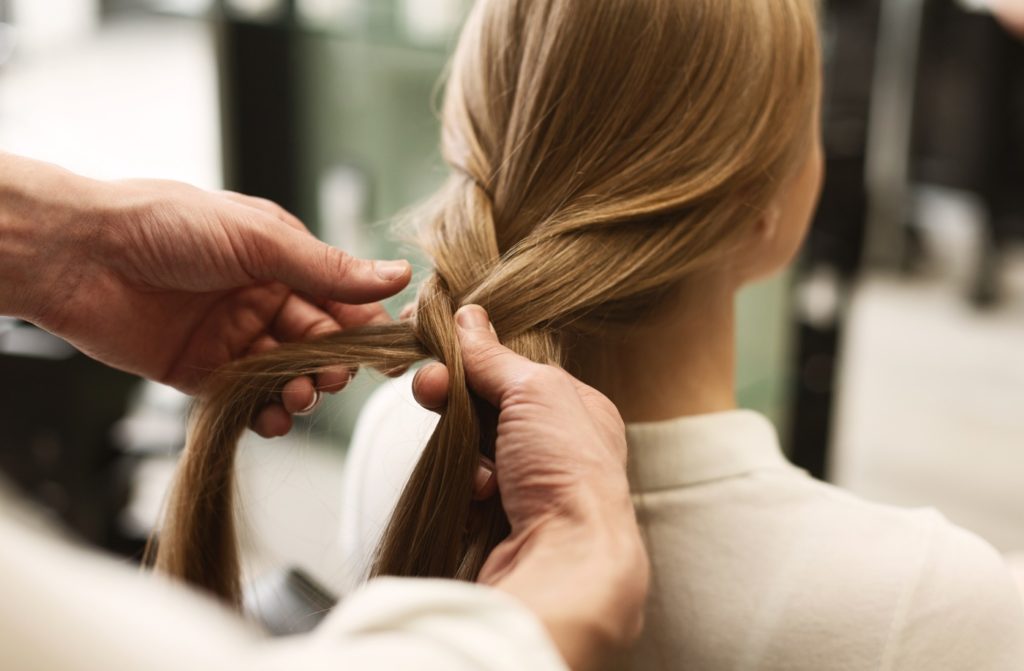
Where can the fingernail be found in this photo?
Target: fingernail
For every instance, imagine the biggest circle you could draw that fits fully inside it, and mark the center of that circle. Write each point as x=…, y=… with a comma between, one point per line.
x=348, y=379
x=389, y=271
x=484, y=475
x=308, y=410
x=472, y=317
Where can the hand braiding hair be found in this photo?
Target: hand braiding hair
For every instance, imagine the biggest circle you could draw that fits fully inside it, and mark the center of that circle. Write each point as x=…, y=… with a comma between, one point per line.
x=601, y=152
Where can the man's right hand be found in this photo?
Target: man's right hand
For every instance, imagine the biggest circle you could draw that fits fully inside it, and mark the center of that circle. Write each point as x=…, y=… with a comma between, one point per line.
x=575, y=556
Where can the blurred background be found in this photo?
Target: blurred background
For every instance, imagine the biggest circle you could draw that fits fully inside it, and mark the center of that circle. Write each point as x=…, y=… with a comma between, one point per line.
x=891, y=357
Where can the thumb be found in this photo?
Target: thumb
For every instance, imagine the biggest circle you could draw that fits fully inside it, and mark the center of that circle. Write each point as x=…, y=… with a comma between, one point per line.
x=299, y=260
x=491, y=368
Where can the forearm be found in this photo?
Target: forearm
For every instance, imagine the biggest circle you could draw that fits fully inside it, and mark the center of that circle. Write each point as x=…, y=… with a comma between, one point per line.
x=43, y=221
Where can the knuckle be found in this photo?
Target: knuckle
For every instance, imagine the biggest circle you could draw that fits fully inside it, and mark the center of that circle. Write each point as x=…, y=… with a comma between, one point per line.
x=255, y=247
x=273, y=208
x=337, y=263
x=478, y=355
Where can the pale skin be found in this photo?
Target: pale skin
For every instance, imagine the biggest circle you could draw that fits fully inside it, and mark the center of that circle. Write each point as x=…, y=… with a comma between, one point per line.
x=171, y=282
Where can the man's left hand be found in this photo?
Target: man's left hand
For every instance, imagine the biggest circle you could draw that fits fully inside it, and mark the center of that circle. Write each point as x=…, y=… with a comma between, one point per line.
x=171, y=282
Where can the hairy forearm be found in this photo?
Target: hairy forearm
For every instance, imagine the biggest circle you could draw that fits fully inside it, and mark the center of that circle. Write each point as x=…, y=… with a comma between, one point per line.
x=43, y=221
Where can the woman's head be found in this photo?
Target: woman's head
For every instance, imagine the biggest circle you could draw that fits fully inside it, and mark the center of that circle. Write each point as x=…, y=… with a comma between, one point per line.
x=601, y=153
x=617, y=147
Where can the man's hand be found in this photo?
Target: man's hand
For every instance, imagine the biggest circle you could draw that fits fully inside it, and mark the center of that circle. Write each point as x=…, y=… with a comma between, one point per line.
x=171, y=282
x=575, y=556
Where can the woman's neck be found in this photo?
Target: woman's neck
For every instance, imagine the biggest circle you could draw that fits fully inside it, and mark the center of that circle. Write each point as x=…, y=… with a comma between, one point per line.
x=682, y=362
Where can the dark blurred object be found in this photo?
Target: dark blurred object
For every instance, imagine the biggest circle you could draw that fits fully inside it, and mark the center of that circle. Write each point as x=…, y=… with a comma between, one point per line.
x=57, y=408
x=832, y=255
x=287, y=602
x=969, y=124
x=952, y=80
x=259, y=97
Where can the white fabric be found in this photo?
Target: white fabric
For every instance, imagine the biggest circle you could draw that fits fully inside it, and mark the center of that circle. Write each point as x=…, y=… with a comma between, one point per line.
x=756, y=565
x=66, y=609
x=1016, y=562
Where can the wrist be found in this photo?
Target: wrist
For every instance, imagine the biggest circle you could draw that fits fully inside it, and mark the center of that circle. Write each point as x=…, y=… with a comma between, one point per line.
x=46, y=230
x=586, y=579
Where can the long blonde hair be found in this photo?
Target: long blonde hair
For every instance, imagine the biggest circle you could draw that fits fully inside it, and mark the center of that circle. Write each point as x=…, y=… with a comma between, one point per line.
x=600, y=152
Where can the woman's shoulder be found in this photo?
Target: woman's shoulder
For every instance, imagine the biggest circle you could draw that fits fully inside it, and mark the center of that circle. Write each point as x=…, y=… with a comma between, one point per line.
x=928, y=562
x=964, y=606
x=836, y=577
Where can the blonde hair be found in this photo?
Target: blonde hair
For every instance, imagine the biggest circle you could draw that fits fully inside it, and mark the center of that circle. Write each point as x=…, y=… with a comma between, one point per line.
x=600, y=152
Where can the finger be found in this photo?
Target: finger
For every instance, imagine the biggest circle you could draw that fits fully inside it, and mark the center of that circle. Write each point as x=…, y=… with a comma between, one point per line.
x=299, y=395
x=491, y=368
x=311, y=266
x=311, y=408
x=273, y=421
x=351, y=316
x=235, y=322
x=408, y=312
x=334, y=379
x=263, y=344
x=299, y=320
x=329, y=380
x=430, y=386
x=485, y=484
